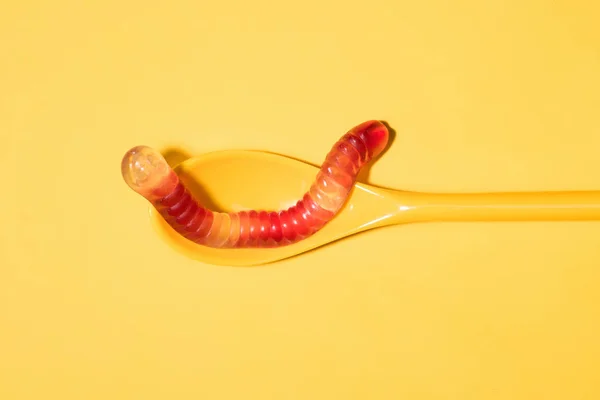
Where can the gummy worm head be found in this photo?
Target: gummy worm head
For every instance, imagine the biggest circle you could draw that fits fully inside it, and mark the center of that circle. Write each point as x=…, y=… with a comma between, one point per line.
x=147, y=172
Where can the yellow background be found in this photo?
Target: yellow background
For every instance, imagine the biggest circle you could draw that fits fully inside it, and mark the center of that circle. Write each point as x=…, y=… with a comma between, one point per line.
x=484, y=96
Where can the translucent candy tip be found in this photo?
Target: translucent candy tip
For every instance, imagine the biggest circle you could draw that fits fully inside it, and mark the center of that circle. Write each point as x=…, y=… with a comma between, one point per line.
x=144, y=169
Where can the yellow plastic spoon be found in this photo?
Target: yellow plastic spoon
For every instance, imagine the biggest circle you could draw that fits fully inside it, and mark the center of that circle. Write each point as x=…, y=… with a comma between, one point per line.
x=239, y=180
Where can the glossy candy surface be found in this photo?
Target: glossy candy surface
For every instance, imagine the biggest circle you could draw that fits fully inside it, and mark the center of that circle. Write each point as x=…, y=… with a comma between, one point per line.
x=147, y=173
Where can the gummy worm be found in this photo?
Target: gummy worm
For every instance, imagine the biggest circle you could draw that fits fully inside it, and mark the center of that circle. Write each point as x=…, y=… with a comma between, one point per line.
x=147, y=173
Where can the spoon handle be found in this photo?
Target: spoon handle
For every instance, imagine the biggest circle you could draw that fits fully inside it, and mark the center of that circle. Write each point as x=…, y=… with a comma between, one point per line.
x=532, y=206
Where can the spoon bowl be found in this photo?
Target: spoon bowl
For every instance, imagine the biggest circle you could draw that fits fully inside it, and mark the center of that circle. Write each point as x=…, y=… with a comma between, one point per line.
x=237, y=180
